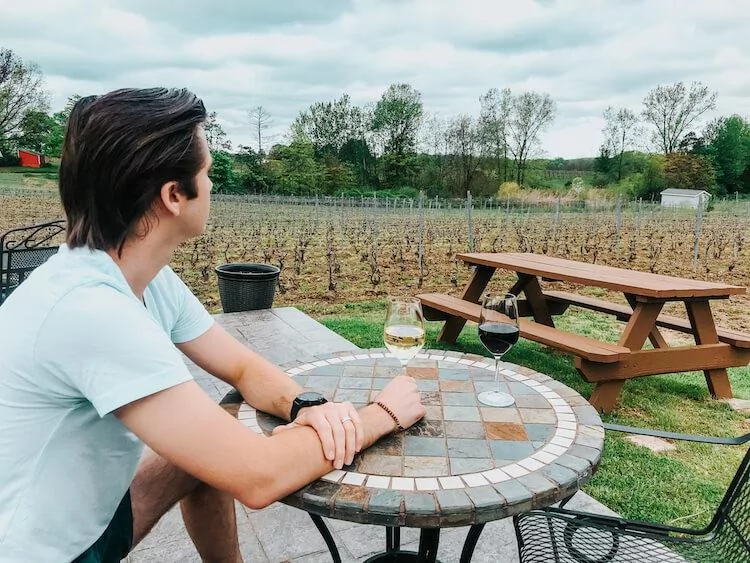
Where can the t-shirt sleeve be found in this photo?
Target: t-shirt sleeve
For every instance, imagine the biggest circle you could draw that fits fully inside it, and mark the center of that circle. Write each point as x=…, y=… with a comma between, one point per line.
x=106, y=345
x=192, y=318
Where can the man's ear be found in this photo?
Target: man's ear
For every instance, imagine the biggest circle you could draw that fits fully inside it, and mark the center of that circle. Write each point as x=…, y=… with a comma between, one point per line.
x=172, y=197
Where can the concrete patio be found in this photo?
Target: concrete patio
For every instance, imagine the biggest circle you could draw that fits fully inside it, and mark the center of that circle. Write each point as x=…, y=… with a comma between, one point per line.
x=279, y=534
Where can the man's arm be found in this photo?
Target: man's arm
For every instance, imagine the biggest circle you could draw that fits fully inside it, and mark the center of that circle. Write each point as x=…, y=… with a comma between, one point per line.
x=261, y=383
x=183, y=425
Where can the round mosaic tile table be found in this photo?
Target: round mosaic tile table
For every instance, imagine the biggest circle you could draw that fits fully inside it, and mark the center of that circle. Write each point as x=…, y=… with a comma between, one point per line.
x=464, y=463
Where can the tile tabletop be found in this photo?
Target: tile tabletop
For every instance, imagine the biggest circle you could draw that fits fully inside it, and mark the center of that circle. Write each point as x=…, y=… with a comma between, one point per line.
x=464, y=463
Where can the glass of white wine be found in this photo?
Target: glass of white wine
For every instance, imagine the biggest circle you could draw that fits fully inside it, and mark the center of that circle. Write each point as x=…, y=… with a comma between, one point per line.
x=404, y=328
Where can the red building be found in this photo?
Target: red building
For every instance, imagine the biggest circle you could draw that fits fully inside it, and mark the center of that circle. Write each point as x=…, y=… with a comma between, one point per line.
x=30, y=159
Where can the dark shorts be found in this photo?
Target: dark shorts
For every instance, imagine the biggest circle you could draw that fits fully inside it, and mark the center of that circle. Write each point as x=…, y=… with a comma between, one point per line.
x=116, y=541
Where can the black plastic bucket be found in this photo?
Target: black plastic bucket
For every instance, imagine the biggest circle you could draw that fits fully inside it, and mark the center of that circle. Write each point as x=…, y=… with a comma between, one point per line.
x=247, y=286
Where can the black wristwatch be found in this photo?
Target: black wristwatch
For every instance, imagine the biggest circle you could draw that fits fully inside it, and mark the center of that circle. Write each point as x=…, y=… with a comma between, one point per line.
x=306, y=399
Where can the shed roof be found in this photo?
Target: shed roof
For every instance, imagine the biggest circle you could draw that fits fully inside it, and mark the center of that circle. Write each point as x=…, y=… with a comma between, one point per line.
x=678, y=191
x=21, y=149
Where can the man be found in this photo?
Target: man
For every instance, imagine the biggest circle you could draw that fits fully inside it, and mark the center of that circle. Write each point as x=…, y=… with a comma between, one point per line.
x=89, y=371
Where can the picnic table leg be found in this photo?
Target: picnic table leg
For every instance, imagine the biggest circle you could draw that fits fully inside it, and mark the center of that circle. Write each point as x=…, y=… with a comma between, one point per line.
x=536, y=299
x=655, y=336
x=472, y=292
x=641, y=325
x=704, y=331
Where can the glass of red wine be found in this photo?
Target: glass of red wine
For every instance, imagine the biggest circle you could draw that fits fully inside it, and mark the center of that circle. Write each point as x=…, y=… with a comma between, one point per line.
x=498, y=331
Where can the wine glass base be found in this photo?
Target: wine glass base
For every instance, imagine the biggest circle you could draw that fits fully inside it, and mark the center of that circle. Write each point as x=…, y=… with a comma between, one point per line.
x=496, y=399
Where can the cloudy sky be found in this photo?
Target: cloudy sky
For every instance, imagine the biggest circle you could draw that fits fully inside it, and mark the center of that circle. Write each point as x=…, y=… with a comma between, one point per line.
x=287, y=54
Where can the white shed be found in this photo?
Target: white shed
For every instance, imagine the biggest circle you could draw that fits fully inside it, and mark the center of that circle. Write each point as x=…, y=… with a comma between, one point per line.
x=674, y=197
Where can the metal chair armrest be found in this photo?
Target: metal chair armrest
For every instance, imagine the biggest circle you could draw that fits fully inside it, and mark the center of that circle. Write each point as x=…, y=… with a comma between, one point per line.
x=739, y=440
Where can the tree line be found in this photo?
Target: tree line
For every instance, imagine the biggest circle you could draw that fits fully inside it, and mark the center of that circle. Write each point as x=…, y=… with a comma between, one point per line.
x=393, y=144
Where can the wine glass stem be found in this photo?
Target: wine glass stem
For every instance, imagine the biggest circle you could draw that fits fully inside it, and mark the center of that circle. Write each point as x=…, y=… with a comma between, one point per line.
x=497, y=373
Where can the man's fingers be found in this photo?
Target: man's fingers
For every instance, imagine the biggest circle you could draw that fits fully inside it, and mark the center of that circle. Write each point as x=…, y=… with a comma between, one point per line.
x=339, y=437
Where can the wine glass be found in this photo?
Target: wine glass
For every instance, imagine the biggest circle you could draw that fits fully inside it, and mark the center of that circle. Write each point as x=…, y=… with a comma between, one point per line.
x=404, y=328
x=498, y=331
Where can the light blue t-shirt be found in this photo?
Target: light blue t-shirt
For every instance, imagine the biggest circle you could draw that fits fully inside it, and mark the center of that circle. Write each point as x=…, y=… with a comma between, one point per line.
x=76, y=344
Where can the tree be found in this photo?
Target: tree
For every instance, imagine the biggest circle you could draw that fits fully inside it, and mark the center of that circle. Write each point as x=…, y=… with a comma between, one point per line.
x=296, y=170
x=621, y=132
x=464, y=147
x=689, y=171
x=36, y=130
x=21, y=91
x=260, y=119
x=329, y=125
x=215, y=136
x=494, y=121
x=673, y=110
x=531, y=113
x=251, y=172
x=397, y=117
x=730, y=151
x=222, y=172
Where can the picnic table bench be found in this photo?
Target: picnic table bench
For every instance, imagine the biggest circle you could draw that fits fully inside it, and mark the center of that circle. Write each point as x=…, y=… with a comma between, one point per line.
x=605, y=364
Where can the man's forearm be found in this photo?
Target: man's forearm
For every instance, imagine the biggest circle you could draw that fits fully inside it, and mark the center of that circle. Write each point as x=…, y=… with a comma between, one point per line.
x=267, y=388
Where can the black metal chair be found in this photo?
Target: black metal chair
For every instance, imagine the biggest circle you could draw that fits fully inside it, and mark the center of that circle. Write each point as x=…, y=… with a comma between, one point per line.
x=24, y=249
x=569, y=536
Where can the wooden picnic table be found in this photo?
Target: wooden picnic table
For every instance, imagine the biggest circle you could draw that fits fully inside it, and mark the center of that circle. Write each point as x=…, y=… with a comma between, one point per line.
x=605, y=364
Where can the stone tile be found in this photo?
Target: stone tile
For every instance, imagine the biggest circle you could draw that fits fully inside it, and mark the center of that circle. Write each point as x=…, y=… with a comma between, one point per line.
x=454, y=374
x=514, y=493
x=424, y=466
x=521, y=389
x=433, y=412
x=455, y=429
x=393, y=444
x=352, y=395
x=454, y=386
x=422, y=373
x=531, y=402
x=387, y=503
x=321, y=382
x=374, y=464
x=482, y=386
x=499, y=414
x=452, y=501
x=510, y=450
x=431, y=398
x=418, y=446
x=387, y=372
x=335, y=370
x=461, y=465
x=427, y=385
x=427, y=429
x=458, y=399
x=467, y=447
x=509, y=431
x=461, y=413
x=741, y=405
x=539, y=432
x=656, y=445
x=351, y=370
x=355, y=383
x=297, y=537
x=541, y=416
x=363, y=540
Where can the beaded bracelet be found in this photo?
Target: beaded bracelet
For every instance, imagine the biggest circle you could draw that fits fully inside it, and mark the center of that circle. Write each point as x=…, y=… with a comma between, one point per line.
x=383, y=406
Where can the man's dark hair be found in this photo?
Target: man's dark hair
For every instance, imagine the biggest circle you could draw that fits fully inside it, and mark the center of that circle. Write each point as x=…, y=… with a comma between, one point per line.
x=120, y=149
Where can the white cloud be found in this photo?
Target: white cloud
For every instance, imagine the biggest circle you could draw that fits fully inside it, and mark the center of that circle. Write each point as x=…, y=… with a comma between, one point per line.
x=587, y=54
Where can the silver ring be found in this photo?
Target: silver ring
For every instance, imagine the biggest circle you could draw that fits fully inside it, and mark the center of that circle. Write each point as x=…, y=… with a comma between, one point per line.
x=346, y=419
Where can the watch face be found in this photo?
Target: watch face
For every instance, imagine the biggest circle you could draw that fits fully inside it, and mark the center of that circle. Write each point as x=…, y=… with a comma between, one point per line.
x=310, y=396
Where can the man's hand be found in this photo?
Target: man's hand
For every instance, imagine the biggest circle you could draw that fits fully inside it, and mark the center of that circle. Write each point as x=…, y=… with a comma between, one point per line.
x=339, y=427
x=402, y=396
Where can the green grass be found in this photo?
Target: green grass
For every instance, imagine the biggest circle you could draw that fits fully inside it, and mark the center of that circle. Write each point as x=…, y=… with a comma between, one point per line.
x=683, y=487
